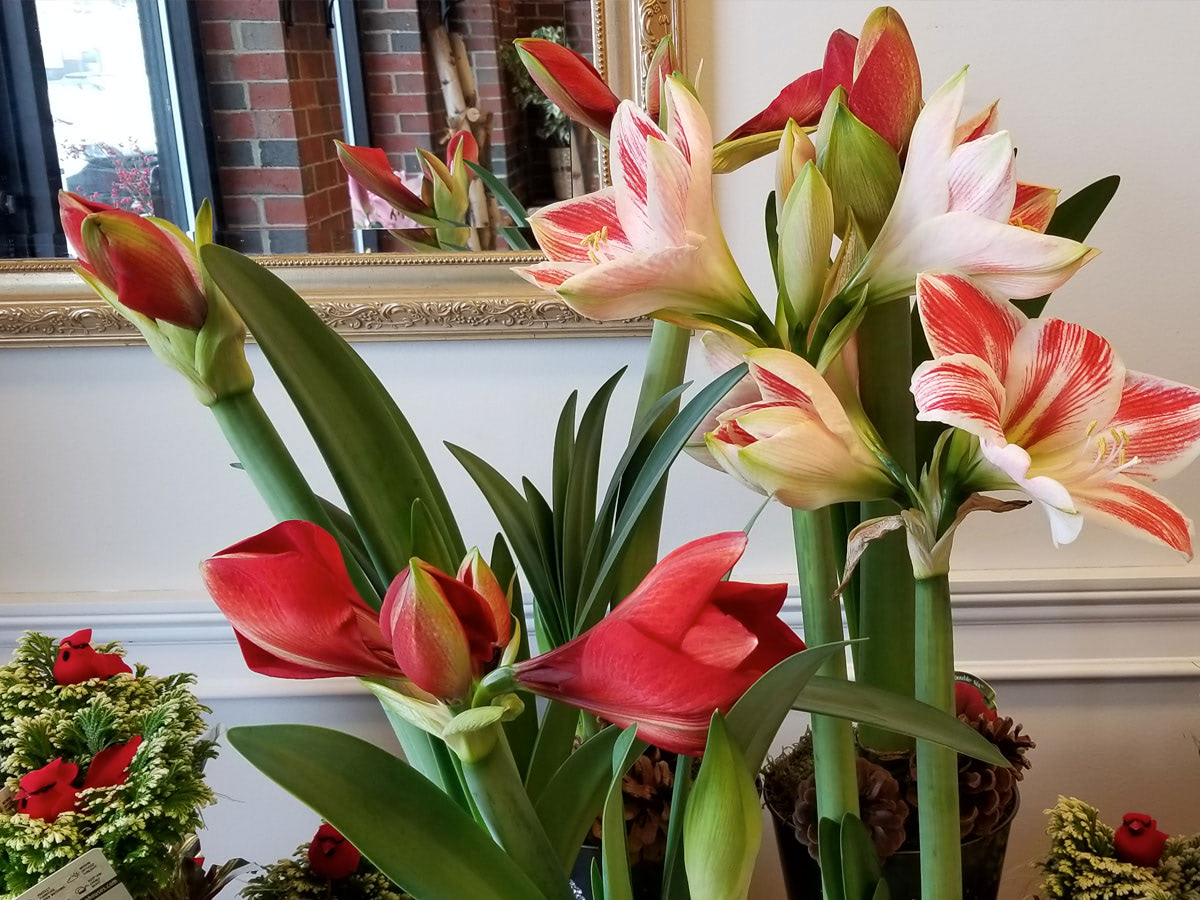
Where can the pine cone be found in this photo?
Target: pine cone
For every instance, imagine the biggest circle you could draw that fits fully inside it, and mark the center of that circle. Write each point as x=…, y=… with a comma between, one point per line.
x=647, y=789
x=879, y=804
x=986, y=793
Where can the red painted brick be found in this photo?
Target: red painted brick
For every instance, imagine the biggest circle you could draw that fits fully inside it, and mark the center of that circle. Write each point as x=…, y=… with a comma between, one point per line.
x=384, y=125
x=270, y=123
x=415, y=123
x=270, y=95
x=260, y=67
x=240, y=211
x=400, y=62
x=228, y=126
x=243, y=10
x=216, y=36
x=260, y=181
x=284, y=210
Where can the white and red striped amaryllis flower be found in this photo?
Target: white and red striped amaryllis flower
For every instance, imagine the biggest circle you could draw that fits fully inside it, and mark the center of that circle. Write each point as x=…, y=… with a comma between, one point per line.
x=1056, y=412
x=650, y=244
x=952, y=212
x=797, y=444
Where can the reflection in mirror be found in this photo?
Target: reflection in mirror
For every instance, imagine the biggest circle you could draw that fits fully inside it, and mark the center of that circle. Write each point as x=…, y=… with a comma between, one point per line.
x=154, y=106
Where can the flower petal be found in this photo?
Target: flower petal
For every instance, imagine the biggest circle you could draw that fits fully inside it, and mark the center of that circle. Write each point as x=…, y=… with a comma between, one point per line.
x=1161, y=421
x=1134, y=509
x=963, y=391
x=575, y=229
x=959, y=318
x=722, y=352
x=631, y=129
x=1034, y=207
x=638, y=284
x=983, y=122
x=1050, y=493
x=1062, y=380
x=549, y=275
x=287, y=592
x=886, y=94
x=1003, y=260
x=370, y=167
x=983, y=177
x=667, y=180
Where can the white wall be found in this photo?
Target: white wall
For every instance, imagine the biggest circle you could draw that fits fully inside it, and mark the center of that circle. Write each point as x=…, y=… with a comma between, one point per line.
x=113, y=484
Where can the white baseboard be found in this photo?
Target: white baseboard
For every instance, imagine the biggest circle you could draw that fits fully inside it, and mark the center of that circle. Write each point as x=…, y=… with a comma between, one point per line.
x=1049, y=625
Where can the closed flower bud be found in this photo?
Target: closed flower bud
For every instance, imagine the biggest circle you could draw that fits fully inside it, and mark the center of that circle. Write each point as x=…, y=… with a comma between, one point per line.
x=571, y=82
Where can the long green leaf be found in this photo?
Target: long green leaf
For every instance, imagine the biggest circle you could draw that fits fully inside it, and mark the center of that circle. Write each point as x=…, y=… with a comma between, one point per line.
x=521, y=731
x=829, y=839
x=755, y=719
x=666, y=449
x=1074, y=219
x=579, y=513
x=542, y=518
x=564, y=455
x=614, y=851
x=675, y=886
x=573, y=797
x=513, y=514
x=399, y=821
x=861, y=872
x=379, y=467
x=863, y=703
x=555, y=737
x=347, y=534
x=506, y=198
x=427, y=540
x=641, y=441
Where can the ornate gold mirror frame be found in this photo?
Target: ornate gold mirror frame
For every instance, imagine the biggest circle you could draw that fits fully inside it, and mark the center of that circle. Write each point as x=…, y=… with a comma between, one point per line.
x=382, y=296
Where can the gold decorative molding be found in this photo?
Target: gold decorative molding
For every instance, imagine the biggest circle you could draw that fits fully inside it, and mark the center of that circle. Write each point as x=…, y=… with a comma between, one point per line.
x=377, y=296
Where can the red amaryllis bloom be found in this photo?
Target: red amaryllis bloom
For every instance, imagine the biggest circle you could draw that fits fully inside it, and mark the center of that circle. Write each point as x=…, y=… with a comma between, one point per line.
x=293, y=607
x=446, y=631
x=683, y=644
x=48, y=793
x=110, y=766
x=332, y=856
x=77, y=661
x=570, y=81
x=1138, y=840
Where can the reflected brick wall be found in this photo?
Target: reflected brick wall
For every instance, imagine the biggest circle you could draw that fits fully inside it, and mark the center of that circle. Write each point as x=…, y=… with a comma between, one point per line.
x=275, y=113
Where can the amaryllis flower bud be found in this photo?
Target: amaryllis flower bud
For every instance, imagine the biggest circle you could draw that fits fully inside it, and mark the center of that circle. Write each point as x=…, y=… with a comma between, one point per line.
x=332, y=856
x=683, y=644
x=444, y=633
x=72, y=210
x=662, y=66
x=369, y=166
x=78, y=662
x=571, y=82
x=470, y=148
x=1138, y=841
x=110, y=766
x=152, y=268
x=48, y=792
x=477, y=575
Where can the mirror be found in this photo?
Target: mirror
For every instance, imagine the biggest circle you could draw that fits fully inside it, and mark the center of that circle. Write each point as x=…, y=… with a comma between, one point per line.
x=154, y=107
x=247, y=111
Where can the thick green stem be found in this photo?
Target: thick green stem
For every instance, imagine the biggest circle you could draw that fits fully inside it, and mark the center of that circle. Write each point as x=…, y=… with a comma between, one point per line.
x=495, y=784
x=886, y=658
x=274, y=473
x=833, y=738
x=937, y=766
x=665, y=363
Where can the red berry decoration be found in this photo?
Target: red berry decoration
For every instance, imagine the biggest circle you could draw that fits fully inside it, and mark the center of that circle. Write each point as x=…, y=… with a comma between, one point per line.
x=970, y=702
x=78, y=661
x=332, y=856
x=1138, y=841
x=48, y=793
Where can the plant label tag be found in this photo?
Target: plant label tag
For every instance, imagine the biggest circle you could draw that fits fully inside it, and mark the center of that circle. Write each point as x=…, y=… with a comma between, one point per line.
x=89, y=877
